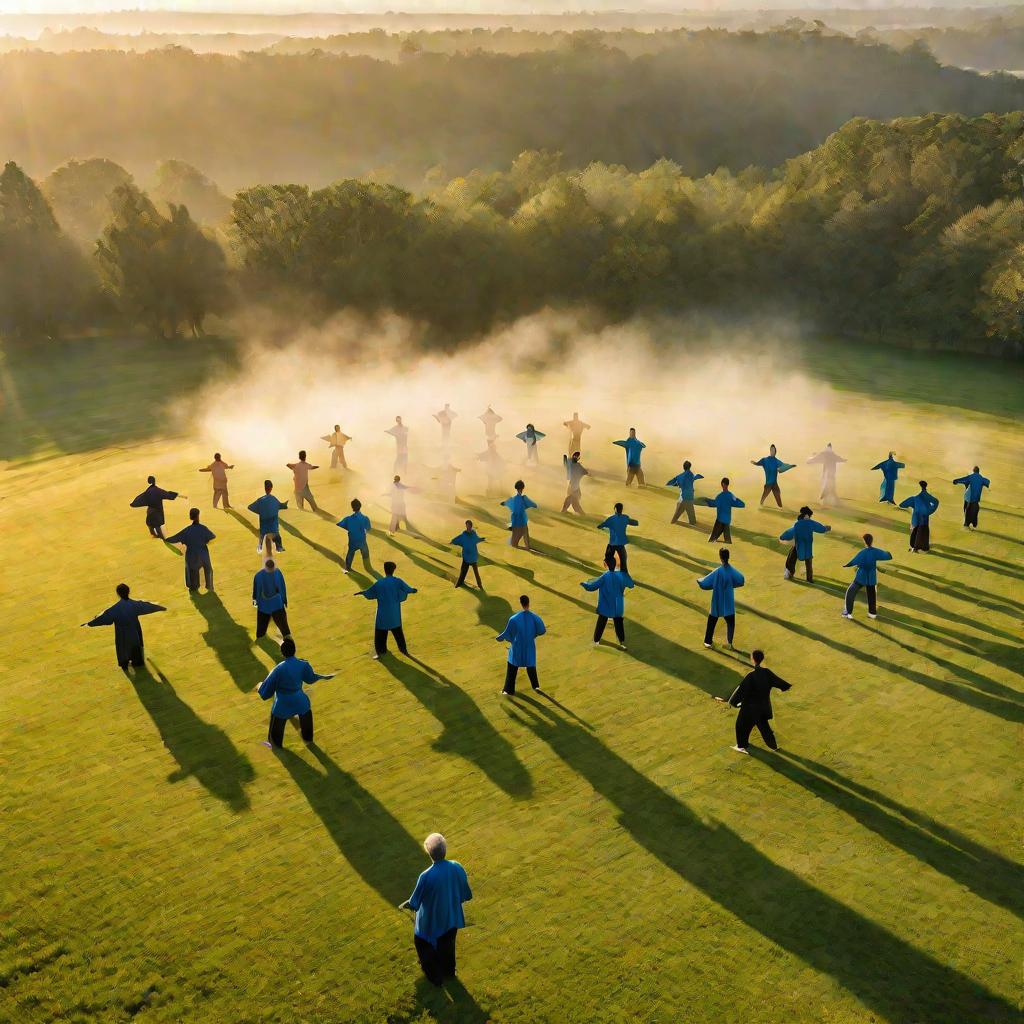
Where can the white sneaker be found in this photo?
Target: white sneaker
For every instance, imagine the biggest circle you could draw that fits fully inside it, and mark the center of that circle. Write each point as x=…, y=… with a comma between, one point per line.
x=597, y=643
x=872, y=615
x=709, y=646
x=846, y=615
x=622, y=647
x=344, y=572
x=740, y=750
x=786, y=574
x=376, y=657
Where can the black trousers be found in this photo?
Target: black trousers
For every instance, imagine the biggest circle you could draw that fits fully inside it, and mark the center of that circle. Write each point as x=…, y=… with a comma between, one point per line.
x=730, y=628
x=919, y=538
x=720, y=529
x=609, y=556
x=438, y=962
x=971, y=513
x=465, y=569
x=276, y=731
x=745, y=722
x=791, y=561
x=510, y=677
x=851, y=594
x=280, y=618
x=192, y=575
x=155, y=530
x=620, y=628
x=380, y=640
x=136, y=657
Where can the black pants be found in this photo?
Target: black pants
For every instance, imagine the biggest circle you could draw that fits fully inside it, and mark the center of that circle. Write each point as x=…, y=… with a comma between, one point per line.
x=192, y=575
x=280, y=618
x=730, y=628
x=438, y=962
x=465, y=569
x=772, y=489
x=620, y=628
x=791, y=565
x=851, y=594
x=919, y=538
x=609, y=556
x=971, y=513
x=136, y=657
x=745, y=722
x=155, y=530
x=720, y=529
x=510, y=677
x=276, y=732
x=380, y=640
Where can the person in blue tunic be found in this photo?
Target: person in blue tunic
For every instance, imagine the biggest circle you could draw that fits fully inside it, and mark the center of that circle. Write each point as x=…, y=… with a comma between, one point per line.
x=389, y=592
x=723, y=503
x=890, y=474
x=721, y=582
x=616, y=525
x=634, y=449
x=520, y=633
x=685, y=481
x=124, y=617
x=152, y=500
x=469, y=541
x=285, y=684
x=531, y=437
x=866, y=563
x=921, y=506
x=437, y=901
x=267, y=508
x=574, y=474
x=270, y=596
x=974, y=483
x=772, y=466
x=611, y=587
x=519, y=506
x=196, y=538
x=801, y=533
x=754, y=699
x=357, y=525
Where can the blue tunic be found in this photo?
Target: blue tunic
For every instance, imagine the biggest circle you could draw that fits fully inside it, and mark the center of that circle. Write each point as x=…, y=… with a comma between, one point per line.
x=357, y=526
x=634, y=446
x=922, y=505
x=268, y=591
x=974, y=484
x=616, y=527
x=722, y=582
x=437, y=899
x=152, y=500
x=611, y=587
x=890, y=472
x=802, y=534
x=866, y=562
x=284, y=684
x=389, y=592
x=723, y=503
x=518, y=505
x=772, y=467
x=267, y=509
x=195, y=537
x=469, y=541
x=521, y=631
x=685, y=481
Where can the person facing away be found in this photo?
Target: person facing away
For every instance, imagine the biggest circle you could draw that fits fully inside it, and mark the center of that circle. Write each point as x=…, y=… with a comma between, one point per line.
x=531, y=437
x=124, y=617
x=611, y=587
x=357, y=526
x=336, y=441
x=218, y=470
x=445, y=417
x=399, y=514
x=772, y=466
x=490, y=420
x=828, y=460
x=634, y=449
x=974, y=483
x=437, y=901
x=400, y=432
x=685, y=481
x=866, y=563
x=616, y=525
x=152, y=500
x=921, y=506
x=300, y=474
x=574, y=474
x=519, y=506
x=268, y=508
x=494, y=465
x=723, y=503
x=285, y=684
x=196, y=538
x=890, y=473
x=575, y=426
x=389, y=592
x=469, y=541
x=270, y=597
x=722, y=582
x=801, y=533
x=520, y=633
x=753, y=697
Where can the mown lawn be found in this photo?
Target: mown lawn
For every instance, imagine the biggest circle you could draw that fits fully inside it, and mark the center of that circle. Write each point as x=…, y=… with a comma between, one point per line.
x=627, y=865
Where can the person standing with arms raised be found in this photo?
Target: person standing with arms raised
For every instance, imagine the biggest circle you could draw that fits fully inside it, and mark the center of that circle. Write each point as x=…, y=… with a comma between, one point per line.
x=389, y=592
x=575, y=426
x=357, y=525
x=446, y=417
x=336, y=441
x=270, y=597
x=196, y=539
x=285, y=684
x=772, y=466
x=974, y=483
x=520, y=633
x=866, y=563
x=400, y=432
x=152, y=500
x=617, y=525
x=753, y=697
x=890, y=474
x=574, y=474
x=218, y=470
x=519, y=506
x=124, y=617
x=469, y=542
x=723, y=503
x=922, y=505
x=300, y=475
x=801, y=533
x=685, y=481
x=268, y=509
x=490, y=421
x=531, y=437
x=828, y=460
x=611, y=587
x=634, y=449
x=722, y=582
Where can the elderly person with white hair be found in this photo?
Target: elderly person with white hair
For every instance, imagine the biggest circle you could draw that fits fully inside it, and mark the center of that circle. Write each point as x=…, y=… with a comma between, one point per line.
x=437, y=899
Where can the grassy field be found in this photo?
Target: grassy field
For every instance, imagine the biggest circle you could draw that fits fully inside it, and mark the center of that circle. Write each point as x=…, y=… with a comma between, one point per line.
x=627, y=865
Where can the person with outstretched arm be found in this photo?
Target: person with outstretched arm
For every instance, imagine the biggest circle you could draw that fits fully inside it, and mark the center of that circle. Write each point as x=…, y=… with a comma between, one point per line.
x=446, y=417
x=575, y=426
x=611, y=587
x=399, y=514
x=469, y=542
x=531, y=437
x=152, y=500
x=801, y=533
x=866, y=563
x=519, y=506
x=218, y=470
x=574, y=474
x=753, y=697
x=922, y=505
x=270, y=598
x=490, y=421
x=634, y=450
x=520, y=633
x=196, y=540
x=124, y=617
x=772, y=466
x=268, y=509
x=300, y=475
x=617, y=525
x=721, y=582
x=685, y=481
x=890, y=474
x=285, y=684
x=973, y=483
x=400, y=432
x=723, y=503
x=336, y=441
x=494, y=465
x=390, y=591
x=357, y=526
x=828, y=460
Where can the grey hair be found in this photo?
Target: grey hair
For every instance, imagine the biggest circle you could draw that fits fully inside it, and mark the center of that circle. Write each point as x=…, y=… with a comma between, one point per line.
x=436, y=845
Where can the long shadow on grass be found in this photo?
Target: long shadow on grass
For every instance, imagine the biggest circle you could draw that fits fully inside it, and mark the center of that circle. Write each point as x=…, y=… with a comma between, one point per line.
x=465, y=729
x=229, y=641
x=449, y=1005
x=202, y=750
x=958, y=591
x=331, y=556
x=985, y=565
x=891, y=977
x=427, y=563
x=990, y=875
x=367, y=835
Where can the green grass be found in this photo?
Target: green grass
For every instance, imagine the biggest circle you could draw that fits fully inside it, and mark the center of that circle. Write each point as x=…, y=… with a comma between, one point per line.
x=627, y=865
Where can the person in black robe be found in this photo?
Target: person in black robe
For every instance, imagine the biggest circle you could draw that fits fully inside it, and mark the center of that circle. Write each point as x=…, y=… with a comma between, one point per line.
x=196, y=537
x=754, y=699
x=124, y=617
x=152, y=500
